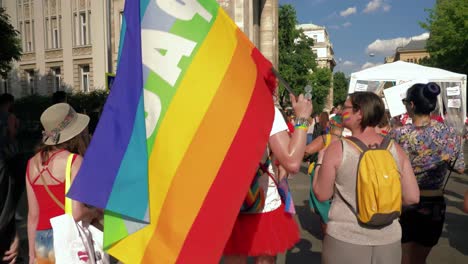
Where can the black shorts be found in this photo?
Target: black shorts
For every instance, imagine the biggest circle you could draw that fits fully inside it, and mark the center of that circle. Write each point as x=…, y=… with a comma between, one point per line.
x=423, y=224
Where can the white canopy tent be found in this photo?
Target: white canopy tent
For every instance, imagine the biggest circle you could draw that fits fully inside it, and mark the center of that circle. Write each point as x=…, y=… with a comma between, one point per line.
x=378, y=78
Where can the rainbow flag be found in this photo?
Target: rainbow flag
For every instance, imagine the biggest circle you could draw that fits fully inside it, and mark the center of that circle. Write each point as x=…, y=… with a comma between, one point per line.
x=181, y=134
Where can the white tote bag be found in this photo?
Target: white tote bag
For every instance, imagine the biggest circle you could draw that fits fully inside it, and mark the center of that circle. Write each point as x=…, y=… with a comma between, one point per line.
x=75, y=243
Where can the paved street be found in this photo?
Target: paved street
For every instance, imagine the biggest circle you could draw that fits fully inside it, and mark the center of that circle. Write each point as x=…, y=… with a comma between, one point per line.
x=452, y=247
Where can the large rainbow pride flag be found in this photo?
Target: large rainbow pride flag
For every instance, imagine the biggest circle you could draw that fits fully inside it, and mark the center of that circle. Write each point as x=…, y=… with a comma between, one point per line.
x=181, y=133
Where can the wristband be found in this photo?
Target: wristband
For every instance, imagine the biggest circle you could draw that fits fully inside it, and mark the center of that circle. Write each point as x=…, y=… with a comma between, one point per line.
x=301, y=126
x=301, y=121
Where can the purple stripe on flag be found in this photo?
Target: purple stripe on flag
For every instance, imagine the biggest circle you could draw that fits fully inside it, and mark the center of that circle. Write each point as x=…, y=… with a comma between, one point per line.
x=94, y=182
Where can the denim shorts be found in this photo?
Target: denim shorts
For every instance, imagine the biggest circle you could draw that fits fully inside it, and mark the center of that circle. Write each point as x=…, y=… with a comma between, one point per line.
x=45, y=247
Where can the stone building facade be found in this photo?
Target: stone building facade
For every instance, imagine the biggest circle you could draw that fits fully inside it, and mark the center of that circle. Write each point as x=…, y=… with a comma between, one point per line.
x=413, y=52
x=71, y=44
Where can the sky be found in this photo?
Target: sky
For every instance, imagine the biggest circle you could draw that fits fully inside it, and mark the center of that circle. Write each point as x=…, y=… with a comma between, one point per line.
x=361, y=28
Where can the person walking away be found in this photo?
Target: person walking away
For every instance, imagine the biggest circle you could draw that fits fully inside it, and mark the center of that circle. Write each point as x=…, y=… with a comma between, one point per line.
x=65, y=133
x=321, y=127
x=433, y=149
x=349, y=240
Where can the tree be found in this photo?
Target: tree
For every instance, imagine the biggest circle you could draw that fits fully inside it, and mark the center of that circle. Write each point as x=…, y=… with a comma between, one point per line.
x=340, y=88
x=10, y=44
x=296, y=58
x=448, y=41
x=321, y=82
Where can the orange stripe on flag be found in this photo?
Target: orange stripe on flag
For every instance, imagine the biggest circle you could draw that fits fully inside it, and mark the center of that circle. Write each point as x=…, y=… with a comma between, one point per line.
x=204, y=157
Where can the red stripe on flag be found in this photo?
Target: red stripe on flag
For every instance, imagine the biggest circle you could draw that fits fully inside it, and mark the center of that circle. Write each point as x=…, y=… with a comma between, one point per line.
x=214, y=223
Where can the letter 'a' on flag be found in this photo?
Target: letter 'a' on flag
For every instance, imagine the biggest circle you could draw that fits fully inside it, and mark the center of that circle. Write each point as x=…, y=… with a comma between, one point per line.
x=181, y=134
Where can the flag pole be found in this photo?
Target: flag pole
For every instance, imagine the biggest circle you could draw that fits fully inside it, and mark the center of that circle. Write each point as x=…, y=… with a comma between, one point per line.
x=282, y=81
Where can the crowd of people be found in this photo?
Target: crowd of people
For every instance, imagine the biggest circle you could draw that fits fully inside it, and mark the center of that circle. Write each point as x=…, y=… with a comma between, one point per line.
x=423, y=151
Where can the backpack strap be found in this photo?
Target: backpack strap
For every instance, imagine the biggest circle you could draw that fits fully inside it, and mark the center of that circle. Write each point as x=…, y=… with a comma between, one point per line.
x=357, y=143
x=386, y=143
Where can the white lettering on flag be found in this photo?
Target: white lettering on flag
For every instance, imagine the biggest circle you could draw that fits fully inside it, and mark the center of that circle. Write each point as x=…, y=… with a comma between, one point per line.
x=155, y=42
x=184, y=9
x=153, y=110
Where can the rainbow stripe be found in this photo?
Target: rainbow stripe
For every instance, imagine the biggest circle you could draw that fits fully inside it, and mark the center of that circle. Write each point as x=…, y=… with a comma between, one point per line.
x=346, y=116
x=180, y=136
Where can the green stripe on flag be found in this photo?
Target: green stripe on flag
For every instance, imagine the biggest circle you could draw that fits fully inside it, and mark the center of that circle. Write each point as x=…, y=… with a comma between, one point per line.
x=195, y=30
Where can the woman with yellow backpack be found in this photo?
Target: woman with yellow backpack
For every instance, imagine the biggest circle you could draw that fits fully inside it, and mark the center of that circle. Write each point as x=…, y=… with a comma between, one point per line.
x=351, y=236
x=318, y=144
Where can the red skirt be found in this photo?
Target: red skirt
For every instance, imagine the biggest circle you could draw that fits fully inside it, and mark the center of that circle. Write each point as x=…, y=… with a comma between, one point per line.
x=264, y=234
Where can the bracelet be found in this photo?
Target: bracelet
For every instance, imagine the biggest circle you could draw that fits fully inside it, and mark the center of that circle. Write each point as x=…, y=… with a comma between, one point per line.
x=301, y=126
x=318, y=164
x=301, y=121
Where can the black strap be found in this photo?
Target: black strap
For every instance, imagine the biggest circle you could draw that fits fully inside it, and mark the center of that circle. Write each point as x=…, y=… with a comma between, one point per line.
x=385, y=144
x=362, y=147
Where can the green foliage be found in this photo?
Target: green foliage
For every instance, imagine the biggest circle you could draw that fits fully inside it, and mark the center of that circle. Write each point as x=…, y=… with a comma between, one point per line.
x=296, y=58
x=340, y=88
x=29, y=109
x=10, y=44
x=321, y=82
x=448, y=41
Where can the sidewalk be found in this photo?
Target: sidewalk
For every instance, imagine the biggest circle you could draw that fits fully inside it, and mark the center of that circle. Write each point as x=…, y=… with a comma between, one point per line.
x=452, y=247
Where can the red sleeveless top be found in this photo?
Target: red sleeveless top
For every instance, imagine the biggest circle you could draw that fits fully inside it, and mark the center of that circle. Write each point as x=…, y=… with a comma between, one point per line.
x=48, y=208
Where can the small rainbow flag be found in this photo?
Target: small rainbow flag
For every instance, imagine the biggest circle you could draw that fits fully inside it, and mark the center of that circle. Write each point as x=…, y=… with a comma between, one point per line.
x=181, y=134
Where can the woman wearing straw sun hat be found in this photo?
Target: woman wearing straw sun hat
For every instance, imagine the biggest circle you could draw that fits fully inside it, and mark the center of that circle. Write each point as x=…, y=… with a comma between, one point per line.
x=65, y=132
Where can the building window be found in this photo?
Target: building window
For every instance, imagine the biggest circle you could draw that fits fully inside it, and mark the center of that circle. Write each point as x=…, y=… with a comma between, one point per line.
x=121, y=18
x=26, y=24
x=53, y=24
x=31, y=81
x=27, y=37
x=83, y=29
x=81, y=22
x=57, y=78
x=55, y=38
x=84, y=78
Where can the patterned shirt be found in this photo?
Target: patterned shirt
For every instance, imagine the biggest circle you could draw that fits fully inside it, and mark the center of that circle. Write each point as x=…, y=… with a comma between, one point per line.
x=427, y=148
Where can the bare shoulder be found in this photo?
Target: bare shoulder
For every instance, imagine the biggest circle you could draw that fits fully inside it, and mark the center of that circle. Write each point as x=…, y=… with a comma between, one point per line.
x=335, y=146
x=334, y=152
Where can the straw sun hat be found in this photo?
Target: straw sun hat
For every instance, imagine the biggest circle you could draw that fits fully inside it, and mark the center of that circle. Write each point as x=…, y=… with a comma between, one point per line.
x=61, y=123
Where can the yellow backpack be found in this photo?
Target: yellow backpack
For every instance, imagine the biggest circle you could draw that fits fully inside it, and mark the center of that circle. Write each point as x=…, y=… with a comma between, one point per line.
x=378, y=186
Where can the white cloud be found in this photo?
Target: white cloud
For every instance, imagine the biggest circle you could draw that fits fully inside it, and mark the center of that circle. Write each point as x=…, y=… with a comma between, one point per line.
x=348, y=12
x=387, y=47
x=347, y=24
x=422, y=36
x=368, y=65
x=376, y=5
x=348, y=63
